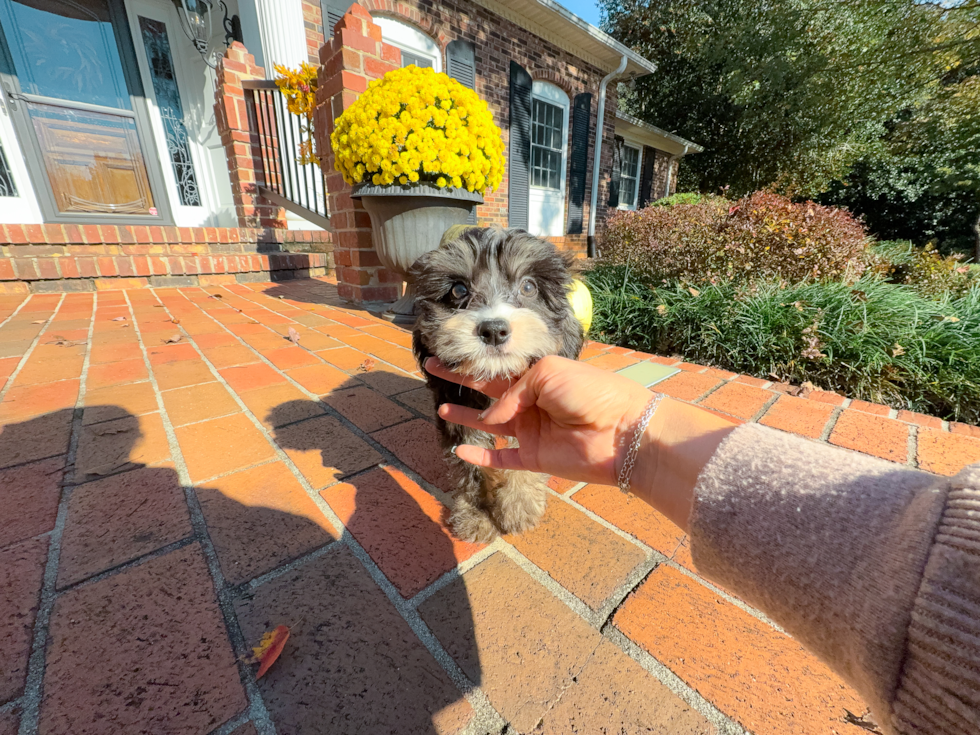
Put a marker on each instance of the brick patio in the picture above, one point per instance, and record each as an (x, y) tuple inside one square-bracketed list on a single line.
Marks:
[(166, 501)]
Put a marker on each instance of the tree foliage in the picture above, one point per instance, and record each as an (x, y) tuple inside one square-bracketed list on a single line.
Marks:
[(921, 181), (787, 94)]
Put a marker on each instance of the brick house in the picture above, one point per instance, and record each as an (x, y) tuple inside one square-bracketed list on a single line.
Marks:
[(137, 150)]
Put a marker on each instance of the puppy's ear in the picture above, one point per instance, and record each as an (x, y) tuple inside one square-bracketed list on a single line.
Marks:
[(572, 336), (572, 264)]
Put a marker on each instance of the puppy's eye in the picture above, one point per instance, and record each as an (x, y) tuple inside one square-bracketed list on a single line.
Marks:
[(528, 287), (459, 291)]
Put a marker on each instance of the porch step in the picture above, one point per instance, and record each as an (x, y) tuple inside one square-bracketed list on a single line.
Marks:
[(62, 258)]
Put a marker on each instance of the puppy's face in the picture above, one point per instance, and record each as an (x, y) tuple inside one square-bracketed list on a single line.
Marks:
[(493, 301)]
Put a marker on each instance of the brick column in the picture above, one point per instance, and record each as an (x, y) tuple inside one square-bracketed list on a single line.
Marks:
[(348, 61), (240, 142)]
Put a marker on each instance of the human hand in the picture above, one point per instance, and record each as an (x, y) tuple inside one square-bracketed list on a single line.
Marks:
[(570, 418)]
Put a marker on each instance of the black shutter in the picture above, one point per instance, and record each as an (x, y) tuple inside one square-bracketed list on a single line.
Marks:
[(461, 62), (332, 11), (520, 145), (461, 66), (581, 123), (646, 177), (616, 169)]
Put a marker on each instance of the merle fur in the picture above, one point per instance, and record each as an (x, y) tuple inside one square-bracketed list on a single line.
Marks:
[(491, 262)]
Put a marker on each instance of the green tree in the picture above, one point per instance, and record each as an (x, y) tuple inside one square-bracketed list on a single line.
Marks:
[(786, 94), (921, 182)]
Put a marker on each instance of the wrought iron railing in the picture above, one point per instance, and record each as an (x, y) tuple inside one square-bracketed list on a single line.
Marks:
[(300, 188)]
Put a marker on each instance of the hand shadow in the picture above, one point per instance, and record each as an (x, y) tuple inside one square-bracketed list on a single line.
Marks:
[(352, 663), (382, 669)]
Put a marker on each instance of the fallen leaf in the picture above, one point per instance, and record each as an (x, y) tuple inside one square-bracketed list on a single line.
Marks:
[(806, 389), (662, 309), (39, 321), (897, 350), (113, 430), (366, 366), (253, 322), (173, 340), (694, 291), (269, 649), (62, 342), (293, 336), (175, 321), (119, 319), (216, 296), (158, 306)]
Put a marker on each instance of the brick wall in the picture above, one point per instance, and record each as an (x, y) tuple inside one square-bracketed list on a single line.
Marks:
[(45, 258), (660, 166), (354, 56), (313, 25), (498, 41), (240, 141)]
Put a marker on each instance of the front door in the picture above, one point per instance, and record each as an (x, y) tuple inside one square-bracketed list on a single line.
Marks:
[(71, 81)]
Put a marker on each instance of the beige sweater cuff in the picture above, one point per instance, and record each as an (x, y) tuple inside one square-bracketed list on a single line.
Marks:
[(831, 544)]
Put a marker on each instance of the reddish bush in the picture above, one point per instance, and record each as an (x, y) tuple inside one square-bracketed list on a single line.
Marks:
[(761, 235)]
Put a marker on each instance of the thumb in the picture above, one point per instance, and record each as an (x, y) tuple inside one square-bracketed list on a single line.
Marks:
[(516, 399)]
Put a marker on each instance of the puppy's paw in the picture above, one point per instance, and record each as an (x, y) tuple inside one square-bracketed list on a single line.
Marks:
[(472, 524), (521, 502)]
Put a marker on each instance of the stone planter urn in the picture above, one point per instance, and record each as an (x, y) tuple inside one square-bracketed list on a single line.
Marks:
[(407, 222)]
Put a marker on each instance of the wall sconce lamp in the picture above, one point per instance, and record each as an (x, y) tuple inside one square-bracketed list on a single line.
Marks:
[(195, 22)]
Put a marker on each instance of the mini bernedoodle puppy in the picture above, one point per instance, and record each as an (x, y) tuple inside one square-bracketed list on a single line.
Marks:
[(490, 303)]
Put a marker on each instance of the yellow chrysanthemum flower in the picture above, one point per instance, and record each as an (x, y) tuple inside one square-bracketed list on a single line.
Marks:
[(416, 125)]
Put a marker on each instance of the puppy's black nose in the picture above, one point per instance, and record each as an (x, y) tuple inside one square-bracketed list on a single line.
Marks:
[(494, 331)]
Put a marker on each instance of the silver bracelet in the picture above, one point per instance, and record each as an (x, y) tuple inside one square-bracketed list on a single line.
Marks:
[(626, 473)]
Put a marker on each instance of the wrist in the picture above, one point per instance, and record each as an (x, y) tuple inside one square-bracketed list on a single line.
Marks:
[(635, 446)]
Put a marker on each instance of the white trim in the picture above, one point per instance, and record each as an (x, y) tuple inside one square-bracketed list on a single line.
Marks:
[(23, 208), (546, 207), (195, 84), (638, 147), (409, 38)]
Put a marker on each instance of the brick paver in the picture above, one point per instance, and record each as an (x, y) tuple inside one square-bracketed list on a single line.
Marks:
[(753, 673), (164, 659), (352, 664), (301, 484), (21, 571)]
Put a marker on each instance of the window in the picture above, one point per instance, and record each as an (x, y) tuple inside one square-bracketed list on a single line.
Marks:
[(629, 176), (416, 47), (548, 159), (547, 144)]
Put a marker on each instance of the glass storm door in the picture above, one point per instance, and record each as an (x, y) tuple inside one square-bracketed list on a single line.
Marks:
[(72, 82)]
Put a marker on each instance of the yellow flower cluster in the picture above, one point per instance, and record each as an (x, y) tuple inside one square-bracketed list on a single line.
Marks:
[(416, 125), (298, 86)]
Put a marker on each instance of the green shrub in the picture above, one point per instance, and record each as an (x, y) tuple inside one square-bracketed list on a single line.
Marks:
[(926, 270), (713, 240), (873, 340), (688, 197)]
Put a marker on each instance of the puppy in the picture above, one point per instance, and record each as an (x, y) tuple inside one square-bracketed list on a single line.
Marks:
[(491, 302)]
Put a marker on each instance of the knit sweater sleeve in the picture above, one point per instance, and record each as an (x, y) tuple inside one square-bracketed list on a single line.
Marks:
[(872, 566)]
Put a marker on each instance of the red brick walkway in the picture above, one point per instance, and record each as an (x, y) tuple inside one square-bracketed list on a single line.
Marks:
[(165, 501)]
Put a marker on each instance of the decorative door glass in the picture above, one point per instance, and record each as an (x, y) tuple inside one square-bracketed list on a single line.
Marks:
[(157, 46), (71, 77)]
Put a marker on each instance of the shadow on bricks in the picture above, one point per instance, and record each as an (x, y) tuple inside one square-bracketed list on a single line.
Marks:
[(358, 666), (155, 581)]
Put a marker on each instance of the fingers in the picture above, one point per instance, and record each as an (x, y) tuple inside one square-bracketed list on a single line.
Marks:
[(492, 388), (501, 459), (465, 416)]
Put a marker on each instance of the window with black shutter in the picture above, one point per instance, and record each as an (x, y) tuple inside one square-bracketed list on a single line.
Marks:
[(332, 11), (646, 178), (617, 166), (519, 153), (461, 62), (461, 66), (581, 123)]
